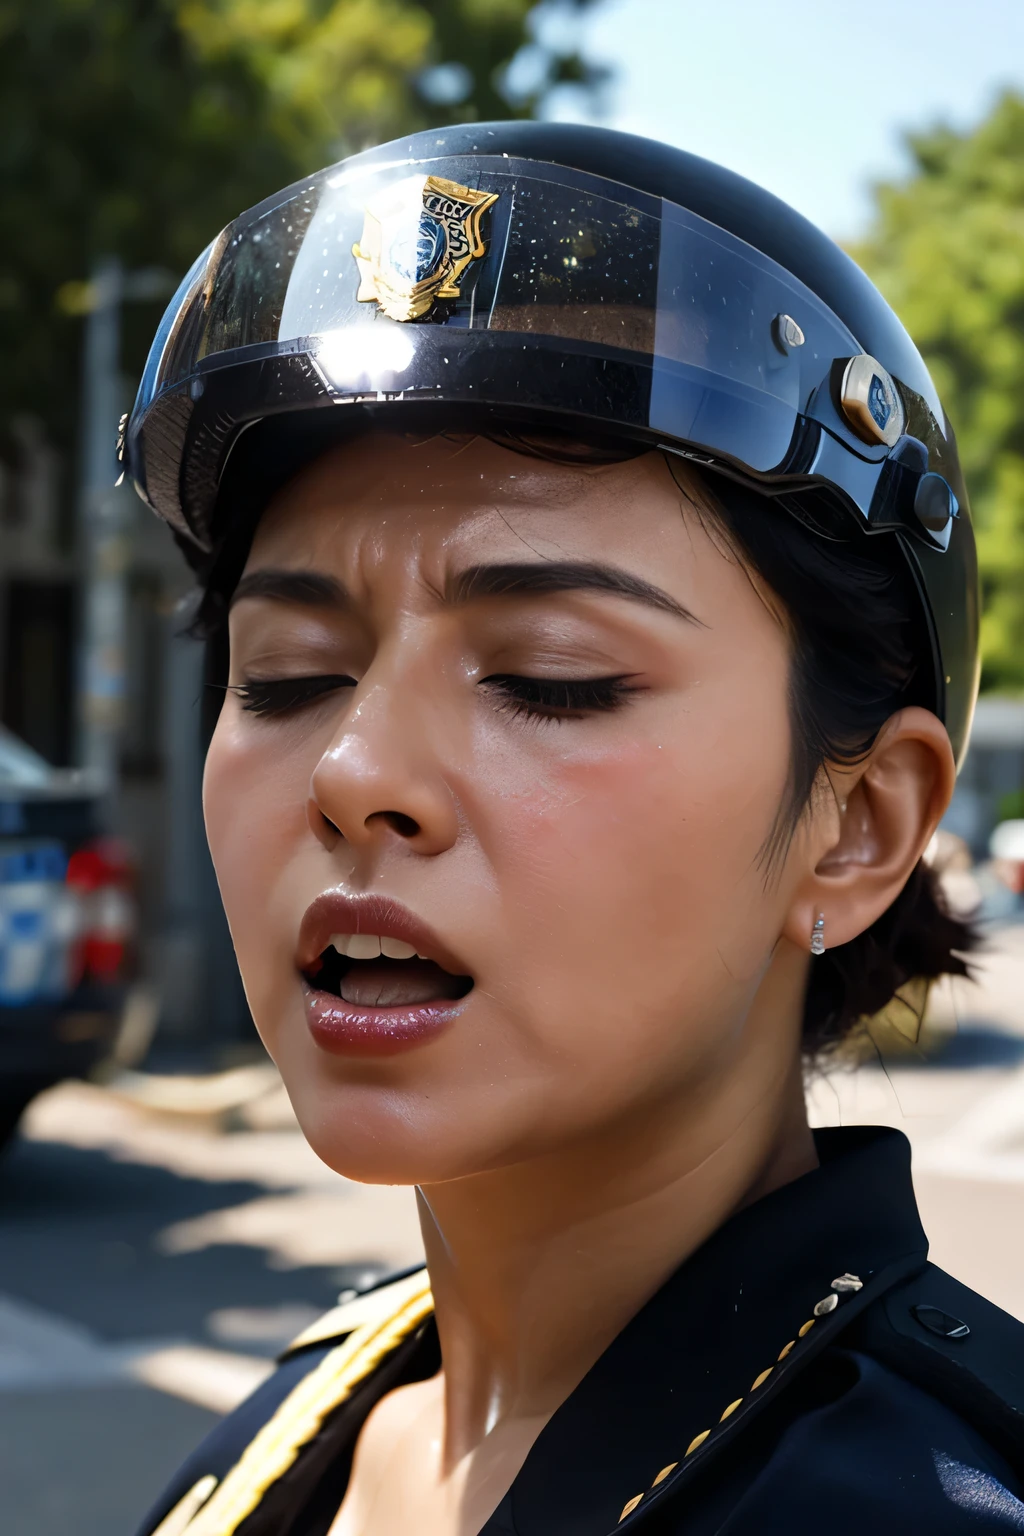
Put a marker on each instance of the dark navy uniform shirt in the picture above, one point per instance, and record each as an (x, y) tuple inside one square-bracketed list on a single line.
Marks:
[(806, 1370)]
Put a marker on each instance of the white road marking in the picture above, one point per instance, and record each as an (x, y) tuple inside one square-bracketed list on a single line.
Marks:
[(217, 1379)]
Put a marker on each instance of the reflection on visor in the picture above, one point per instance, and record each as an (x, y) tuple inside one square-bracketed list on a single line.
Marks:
[(534, 290), (505, 248)]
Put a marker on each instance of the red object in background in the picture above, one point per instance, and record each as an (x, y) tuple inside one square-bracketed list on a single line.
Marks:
[(102, 874), (1011, 873)]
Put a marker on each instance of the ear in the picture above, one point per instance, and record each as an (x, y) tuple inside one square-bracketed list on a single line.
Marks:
[(889, 805)]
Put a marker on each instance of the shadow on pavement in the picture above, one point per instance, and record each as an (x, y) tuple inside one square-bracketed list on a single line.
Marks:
[(90, 1463), (77, 1237)]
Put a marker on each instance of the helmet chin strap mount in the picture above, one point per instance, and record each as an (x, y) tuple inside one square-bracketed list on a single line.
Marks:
[(912, 498)]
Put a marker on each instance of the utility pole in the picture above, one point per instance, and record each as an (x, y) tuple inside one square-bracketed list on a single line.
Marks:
[(104, 515), (102, 531)]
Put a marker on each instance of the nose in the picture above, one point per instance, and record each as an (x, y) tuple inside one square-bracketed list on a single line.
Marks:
[(380, 780)]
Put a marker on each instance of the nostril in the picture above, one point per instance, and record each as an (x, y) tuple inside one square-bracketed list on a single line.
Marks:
[(404, 825)]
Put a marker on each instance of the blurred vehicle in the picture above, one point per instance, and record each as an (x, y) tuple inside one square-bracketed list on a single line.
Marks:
[(1006, 845), (67, 928)]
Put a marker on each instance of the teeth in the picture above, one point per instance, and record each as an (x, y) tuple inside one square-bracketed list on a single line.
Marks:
[(363, 946), (397, 949), (368, 946)]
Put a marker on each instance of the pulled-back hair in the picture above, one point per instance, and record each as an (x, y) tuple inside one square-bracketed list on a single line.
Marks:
[(859, 655)]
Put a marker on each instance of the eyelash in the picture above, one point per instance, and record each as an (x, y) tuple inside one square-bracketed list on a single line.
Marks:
[(278, 696), (556, 698), (539, 698)]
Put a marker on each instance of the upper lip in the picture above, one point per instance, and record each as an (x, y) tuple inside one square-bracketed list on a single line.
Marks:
[(335, 912)]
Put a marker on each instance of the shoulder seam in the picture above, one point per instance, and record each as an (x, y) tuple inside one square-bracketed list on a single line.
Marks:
[(368, 1306)]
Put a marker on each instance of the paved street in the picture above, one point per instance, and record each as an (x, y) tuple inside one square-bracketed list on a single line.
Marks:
[(160, 1239), (150, 1266)]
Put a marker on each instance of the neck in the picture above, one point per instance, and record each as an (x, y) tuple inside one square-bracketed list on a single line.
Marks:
[(536, 1266)]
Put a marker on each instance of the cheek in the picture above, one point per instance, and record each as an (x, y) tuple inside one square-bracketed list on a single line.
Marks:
[(634, 870), (254, 801)]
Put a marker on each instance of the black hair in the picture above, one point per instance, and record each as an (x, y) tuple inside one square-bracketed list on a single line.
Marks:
[(859, 650), (858, 642)]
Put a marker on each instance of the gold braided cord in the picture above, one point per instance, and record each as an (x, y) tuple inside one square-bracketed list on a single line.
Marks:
[(276, 1445)]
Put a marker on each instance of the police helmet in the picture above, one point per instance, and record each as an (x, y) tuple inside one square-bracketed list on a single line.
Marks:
[(576, 277)]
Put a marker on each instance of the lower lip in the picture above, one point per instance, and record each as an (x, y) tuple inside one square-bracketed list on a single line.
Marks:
[(347, 1030)]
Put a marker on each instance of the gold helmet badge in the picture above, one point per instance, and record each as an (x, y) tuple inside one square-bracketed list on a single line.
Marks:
[(419, 236)]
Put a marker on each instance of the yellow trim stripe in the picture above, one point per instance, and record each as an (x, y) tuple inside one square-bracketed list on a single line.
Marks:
[(373, 1307), (176, 1521), (276, 1445)]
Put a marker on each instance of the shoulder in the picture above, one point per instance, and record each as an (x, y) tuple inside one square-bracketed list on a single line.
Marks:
[(260, 1441), (911, 1419), (961, 1349), (932, 1421), (864, 1448), (377, 1305)]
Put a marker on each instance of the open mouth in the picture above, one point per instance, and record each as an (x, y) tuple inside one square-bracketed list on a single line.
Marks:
[(368, 970)]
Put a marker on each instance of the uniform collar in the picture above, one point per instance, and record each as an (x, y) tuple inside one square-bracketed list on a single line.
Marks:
[(719, 1322)]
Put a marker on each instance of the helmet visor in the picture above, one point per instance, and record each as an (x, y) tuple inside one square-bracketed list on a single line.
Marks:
[(426, 279)]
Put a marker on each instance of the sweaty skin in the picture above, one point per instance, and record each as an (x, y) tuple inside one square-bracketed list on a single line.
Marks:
[(624, 1072)]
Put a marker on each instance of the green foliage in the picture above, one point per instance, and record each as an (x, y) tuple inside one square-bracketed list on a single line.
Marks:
[(1010, 807), (140, 127), (947, 250)]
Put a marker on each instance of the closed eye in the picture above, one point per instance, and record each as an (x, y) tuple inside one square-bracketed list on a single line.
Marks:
[(559, 698), (279, 695)]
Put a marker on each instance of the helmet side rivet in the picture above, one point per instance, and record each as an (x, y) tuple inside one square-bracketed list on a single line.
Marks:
[(934, 502), (871, 401), (786, 334)]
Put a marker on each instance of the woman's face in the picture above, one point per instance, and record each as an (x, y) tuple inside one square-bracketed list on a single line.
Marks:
[(529, 721)]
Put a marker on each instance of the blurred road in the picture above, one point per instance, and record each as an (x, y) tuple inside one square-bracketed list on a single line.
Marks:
[(960, 1099), (160, 1240), (151, 1264)]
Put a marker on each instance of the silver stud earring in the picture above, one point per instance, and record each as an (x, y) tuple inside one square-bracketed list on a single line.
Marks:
[(818, 935)]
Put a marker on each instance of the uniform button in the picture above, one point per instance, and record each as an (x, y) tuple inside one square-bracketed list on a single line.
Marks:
[(940, 1323)]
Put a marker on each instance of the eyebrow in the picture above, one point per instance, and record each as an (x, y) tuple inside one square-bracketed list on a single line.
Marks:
[(536, 577), (529, 578), (312, 589)]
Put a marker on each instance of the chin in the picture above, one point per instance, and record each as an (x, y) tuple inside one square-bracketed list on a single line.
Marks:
[(378, 1134), (385, 1132)]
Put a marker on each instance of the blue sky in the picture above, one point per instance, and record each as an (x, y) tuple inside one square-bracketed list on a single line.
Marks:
[(807, 97)]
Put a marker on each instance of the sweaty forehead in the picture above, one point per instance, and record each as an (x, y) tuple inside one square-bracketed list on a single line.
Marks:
[(472, 494)]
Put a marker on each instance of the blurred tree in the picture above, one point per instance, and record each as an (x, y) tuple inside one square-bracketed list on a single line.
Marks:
[(947, 250), (139, 127)]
